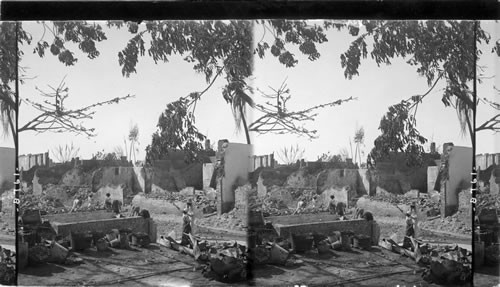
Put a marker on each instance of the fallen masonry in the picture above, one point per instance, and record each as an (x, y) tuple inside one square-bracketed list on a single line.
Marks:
[(7, 267), (296, 242), (68, 239)]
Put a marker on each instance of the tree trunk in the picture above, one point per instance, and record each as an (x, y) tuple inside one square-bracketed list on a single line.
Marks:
[(130, 153), (356, 154), (474, 97), (242, 113)]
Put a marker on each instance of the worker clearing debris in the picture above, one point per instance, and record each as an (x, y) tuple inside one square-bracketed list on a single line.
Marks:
[(301, 206), (409, 232), (186, 228), (341, 210), (77, 203), (190, 212), (117, 208), (414, 216), (107, 202), (332, 206), (375, 228), (90, 201)]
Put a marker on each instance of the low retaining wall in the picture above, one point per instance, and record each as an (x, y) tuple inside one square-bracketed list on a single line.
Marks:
[(358, 226), (136, 224), (301, 218), (78, 216)]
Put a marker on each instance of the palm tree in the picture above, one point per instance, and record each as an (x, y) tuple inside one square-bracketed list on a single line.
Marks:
[(7, 115), (9, 60), (133, 137), (239, 101), (359, 138)]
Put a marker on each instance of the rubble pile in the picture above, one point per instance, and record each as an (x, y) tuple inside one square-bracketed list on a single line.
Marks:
[(272, 205), (201, 199), (224, 262), (7, 267), (7, 226), (460, 222), (48, 203), (42, 202), (236, 219), (487, 200), (424, 202), (445, 264)]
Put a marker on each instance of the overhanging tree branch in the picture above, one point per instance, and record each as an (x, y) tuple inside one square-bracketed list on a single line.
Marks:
[(277, 119), (55, 117)]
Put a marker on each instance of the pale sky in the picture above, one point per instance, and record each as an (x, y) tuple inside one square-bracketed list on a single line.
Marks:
[(310, 83)]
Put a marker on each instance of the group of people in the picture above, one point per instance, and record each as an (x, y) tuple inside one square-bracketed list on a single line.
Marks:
[(110, 205), (78, 202), (335, 207)]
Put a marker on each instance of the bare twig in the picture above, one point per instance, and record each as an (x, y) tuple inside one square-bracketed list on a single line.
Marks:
[(55, 117), (278, 119)]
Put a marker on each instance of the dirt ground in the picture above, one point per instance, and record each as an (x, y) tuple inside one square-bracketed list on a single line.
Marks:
[(377, 267), (165, 223), (390, 226), (152, 266)]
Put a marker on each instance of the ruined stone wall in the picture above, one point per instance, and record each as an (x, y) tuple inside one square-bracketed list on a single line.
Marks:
[(339, 178), (301, 179), (7, 167), (237, 165), (459, 178), (26, 162), (263, 161), (495, 181), (483, 161), (396, 177), (208, 171), (175, 179), (76, 177), (432, 175), (120, 182)]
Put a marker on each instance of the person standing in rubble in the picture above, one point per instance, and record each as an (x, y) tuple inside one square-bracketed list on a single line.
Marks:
[(332, 206), (368, 216), (89, 199), (410, 231), (107, 202), (313, 201), (301, 205), (414, 216), (341, 210), (190, 213), (186, 227), (117, 207), (76, 204)]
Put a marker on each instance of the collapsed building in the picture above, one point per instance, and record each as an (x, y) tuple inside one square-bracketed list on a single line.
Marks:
[(7, 217), (439, 189), (486, 235), (51, 233)]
